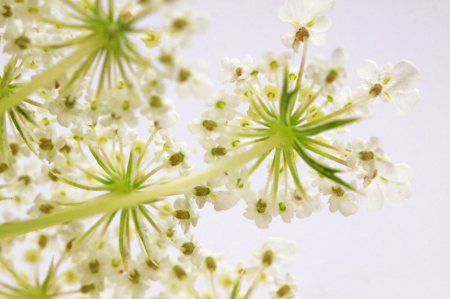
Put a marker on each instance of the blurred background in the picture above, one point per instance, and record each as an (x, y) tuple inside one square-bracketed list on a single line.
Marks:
[(392, 253)]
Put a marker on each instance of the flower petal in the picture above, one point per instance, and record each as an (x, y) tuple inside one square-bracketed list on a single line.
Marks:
[(225, 200), (321, 24), (396, 194), (318, 38), (403, 103), (394, 172), (405, 77), (303, 11), (368, 70), (372, 198), (347, 208)]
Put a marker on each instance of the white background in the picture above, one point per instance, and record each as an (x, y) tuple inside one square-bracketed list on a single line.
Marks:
[(392, 253)]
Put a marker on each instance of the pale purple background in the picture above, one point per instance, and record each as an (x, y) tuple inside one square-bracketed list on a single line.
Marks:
[(393, 253)]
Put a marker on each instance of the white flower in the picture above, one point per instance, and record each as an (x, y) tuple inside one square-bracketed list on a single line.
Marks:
[(284, 288), (341, 199), (205, 127), (161, 111), (156, 262), (186, 212), (329, 72), (275, 250), (237, 180), (274, 64), (286, 207), (384, 181), (49, 142), (180, 26), (192, 250), (222, 105), (395, 84), (177, 156), (67, 108), (216, 149), (234, 69), (307, 17), (306, 207), (191, 80), (222, 200), (258, 209)]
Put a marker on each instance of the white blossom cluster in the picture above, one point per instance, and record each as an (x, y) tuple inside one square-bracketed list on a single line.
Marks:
[(224, 131), (94, 268), (81, 76)]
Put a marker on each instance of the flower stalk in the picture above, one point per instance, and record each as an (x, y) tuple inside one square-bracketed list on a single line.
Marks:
[(114, 202)]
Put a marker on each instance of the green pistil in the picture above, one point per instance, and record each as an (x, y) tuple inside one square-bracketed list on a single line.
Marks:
[(282, 206), (220, 104)]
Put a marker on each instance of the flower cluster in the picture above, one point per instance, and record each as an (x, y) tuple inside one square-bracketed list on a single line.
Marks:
[(81, 77), (299, 105), (95, 269)]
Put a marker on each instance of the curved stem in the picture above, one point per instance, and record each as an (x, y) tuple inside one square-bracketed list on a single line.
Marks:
[(114, 202)]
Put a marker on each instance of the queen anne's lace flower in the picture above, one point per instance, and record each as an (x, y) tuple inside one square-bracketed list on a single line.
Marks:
[(95, 69)]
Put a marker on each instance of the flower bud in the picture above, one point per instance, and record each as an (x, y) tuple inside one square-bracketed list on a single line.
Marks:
[(179, 272), (22, 42), (182, 214), (267, 258), (87, 288), (218, 151), (46, 208), (238, 71), (3, 167), (52, 176), (179, 24), (332, 75), (188, 248), (7, 11), (65, 149), (94, 266), (282, 206), (338, 191), (283, 291), (135, 276), (366, 155), (152, 265), (45, 144), (261, 206), (376, 90), (14, 147), (42, 241), (69, 102), (170, 232), (184, 75), (166, 58), (25, 179), (209, 125), (221, 104), (301, 34), (176, 159), (155, 102), (211, 264), (201, 191)]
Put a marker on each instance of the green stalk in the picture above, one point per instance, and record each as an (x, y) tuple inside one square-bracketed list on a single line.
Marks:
[(113, 202), (49, 75)]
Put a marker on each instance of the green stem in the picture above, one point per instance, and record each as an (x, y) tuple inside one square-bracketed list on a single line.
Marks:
[(49, 75), (113, 202)]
